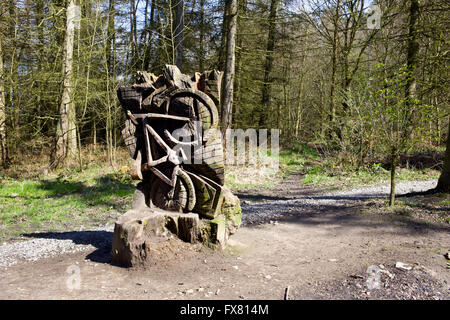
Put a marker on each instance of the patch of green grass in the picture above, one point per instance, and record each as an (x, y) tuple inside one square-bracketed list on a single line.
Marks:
[(297, 158), (267, 174), (410, 203), (420, 209), (317, 170), (63, 198), (363, 176), (249, 177)]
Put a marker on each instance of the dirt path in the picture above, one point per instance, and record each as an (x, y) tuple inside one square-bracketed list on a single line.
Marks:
[(320, 245)]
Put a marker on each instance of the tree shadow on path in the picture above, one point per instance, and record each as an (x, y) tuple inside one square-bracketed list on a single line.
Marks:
[(100, 239)]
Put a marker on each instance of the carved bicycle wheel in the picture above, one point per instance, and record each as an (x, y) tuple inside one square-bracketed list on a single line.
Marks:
[(181, 199), (195, 104)]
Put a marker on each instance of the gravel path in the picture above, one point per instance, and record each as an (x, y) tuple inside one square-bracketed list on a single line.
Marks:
[(271, 210), (47, 245)]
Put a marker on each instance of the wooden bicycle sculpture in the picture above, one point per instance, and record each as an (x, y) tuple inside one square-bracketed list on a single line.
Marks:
[(171, 133)]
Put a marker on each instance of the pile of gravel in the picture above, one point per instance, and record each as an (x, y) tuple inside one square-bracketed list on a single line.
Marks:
[(46, 245)]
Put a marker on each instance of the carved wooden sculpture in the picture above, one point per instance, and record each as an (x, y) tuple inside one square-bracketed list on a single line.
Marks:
[(172, 170), (172, 134)]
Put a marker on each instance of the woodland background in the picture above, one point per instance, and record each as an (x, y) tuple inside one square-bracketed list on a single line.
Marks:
[(312, 68)]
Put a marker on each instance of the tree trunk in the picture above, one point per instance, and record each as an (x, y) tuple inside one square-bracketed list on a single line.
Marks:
[(133, 36), (201, 51), (41, 40), (411, 62), (111, 39), (148, 46), (238, 77), (444, 179), (3, 144), (179, 26), (223, 40), (333, 102), (265, 100), (66, 137), (394, 157), (162, 53), (13, 75), (298, 118), (228, 75)]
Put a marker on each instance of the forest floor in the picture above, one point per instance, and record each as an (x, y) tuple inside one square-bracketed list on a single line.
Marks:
[(313, 243)]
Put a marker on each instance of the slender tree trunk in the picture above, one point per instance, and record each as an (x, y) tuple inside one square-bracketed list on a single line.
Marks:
[(3, 144), (394, 159), (149, 41), (201, 51), (66, 137), (444, 179), (39, 19), (333, 99), (179, 27), (223, 40), (298, 118), (133, 35), (94, 135), (411, 63), (228, 76), (323, 112), (238, 79), (163, 53), (111, 38), (265, 100), (13, 76)]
